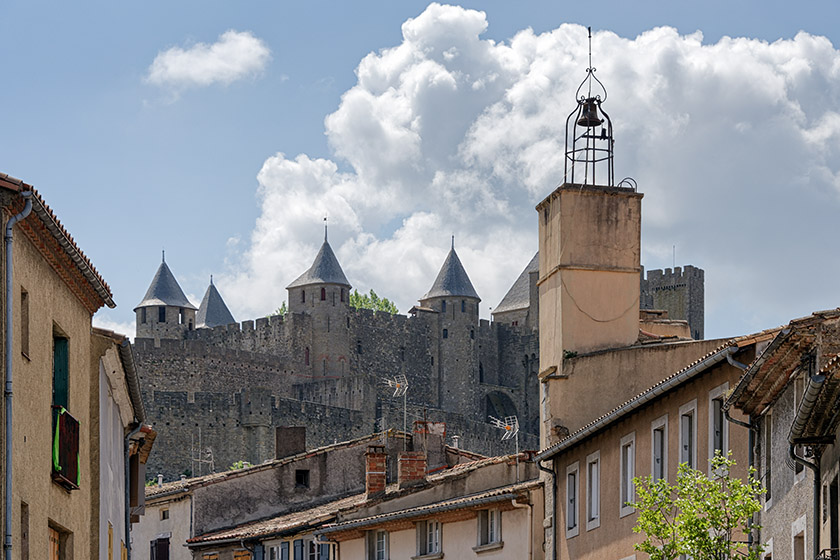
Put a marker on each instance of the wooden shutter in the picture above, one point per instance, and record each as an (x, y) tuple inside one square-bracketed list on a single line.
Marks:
[(60, 372)]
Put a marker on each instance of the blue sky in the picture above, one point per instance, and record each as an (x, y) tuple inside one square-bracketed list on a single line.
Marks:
[(439, 131)]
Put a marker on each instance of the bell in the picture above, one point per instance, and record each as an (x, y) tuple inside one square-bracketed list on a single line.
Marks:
[(589, 116)]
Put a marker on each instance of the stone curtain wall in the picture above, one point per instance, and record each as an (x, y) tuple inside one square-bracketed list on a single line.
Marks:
[(680, 292)]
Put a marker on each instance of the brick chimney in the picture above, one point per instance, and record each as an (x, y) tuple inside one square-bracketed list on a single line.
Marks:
[(375, 459), (411, 468)]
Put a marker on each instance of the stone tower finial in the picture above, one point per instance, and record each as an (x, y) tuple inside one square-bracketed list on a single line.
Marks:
[(453, 241), (211, 279), (163, 255), (325, 229)]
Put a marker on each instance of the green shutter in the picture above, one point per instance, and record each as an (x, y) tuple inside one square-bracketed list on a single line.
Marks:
[(60, 373)]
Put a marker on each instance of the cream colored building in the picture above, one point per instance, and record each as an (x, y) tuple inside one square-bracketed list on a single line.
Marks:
[(56, 404)]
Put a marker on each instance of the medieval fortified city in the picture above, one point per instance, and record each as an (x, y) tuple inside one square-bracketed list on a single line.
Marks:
[(584, 416)]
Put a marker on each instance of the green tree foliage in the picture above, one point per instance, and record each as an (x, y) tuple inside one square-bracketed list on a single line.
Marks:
[(703, 517), (239, 465), (282, 310), (372, 301)]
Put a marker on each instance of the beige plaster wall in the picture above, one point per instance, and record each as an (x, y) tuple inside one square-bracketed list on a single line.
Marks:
[(615, 538), (51, 306), (151, 526), (593, 384)]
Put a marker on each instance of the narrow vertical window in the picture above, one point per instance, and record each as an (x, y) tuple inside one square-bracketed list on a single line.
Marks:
[(161, 314), (489, 527), (303, 296), (718, 427), (593, 490), (572, 500), (688, 434), (24, 323), (445, 333), (342, 295), (480, 372), (463, 306), (61, 379), (628, 472), (443, 306), (323, 294), (768, 458), (24, 531), (143, 315), (181, 319), (324, 365), (306, 356), (659, 448)]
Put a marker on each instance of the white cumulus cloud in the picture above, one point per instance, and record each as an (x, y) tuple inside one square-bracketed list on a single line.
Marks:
[(234, 56), (732, 143)]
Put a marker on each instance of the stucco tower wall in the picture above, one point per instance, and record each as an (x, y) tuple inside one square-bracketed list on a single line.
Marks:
[(590, 246)]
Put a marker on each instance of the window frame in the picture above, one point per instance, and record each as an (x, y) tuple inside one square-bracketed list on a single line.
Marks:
[(425, 529), (660, 424), (627, 471), (718, 394), (572, 500), (593, 491), (489, 529), (689, 409)]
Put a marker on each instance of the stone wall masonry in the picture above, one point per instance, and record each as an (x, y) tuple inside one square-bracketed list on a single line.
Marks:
[(680, 291)]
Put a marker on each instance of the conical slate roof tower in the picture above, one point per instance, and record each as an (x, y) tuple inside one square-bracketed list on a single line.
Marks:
[(324, 270), (452, 280), (213, 312), (165, 312), (164, 290)]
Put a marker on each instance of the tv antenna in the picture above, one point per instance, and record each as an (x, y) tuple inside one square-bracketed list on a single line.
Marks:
[(400, 385), (510, 425)]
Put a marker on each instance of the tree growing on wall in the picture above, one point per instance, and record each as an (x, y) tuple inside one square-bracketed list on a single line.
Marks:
[(372, 301), (705, 517), (282, 310)]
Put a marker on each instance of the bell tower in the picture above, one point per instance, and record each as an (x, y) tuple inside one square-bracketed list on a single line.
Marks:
[(590, 241)]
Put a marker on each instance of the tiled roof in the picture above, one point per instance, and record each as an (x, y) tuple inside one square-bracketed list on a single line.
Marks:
[(325, 270), (164, 290), (63, 240), (824, 415), (688, 372), (452, 280), (187, 484), (283, 524), (488, 496), (213, 312), (519, 295)]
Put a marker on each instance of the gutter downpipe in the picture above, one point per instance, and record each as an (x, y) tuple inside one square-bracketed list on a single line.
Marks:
[(553, 551), (7, 539), (127, 485), (809, 399), (751, 429)]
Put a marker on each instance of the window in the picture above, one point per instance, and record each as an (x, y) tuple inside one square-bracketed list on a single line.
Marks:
[(306, 356), (342, 295), (161, 314), (627, 449), (61, 388), (428, 537), (358, 347), (593, 491), (164, 514), (324, 366), (480, 372), (303, 296), (659, 448), (143, 315), (463, 306), (443, 306), (445, 333), (489, 527), (311, 550), (24, 323), (241, 555), (180, 315), (279, 552), (302, 478), (24, 531), (377, 545), (323, 294), (718, 426), (159, 549), (768, 459), (472, 334), (688, 433), (572, 500)]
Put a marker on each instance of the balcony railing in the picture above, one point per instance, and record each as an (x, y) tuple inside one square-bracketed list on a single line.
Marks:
[(65, 452)]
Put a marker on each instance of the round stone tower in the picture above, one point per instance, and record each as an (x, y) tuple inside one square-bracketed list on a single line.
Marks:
[(323, 292), (165, 312), (455, 302)]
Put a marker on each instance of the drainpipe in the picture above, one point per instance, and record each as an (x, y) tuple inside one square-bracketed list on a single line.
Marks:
[(7, 541), (530, 507), (127, 485), (553, 552), (809, 400)]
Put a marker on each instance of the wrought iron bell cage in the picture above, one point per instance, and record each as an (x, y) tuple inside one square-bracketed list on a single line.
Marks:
[(589, 135)]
